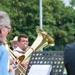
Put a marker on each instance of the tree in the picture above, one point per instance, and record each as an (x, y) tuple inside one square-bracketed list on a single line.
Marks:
[(58, 19), (72, 3)]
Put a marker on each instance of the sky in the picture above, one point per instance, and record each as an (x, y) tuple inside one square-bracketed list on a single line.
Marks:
[(66, 2)]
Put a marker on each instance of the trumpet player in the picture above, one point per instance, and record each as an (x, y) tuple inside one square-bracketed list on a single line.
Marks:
[(22, 47), (4, 30)]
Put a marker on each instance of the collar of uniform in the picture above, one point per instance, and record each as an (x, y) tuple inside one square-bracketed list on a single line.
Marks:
[(18, 49)]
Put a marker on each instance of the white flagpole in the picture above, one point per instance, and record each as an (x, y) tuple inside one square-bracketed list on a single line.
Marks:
[(41, 27)]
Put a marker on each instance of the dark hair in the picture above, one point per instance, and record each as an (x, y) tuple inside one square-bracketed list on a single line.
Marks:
[(22, 35)]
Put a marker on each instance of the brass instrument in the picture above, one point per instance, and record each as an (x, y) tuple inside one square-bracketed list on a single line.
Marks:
[(18, 59), (41, 41)]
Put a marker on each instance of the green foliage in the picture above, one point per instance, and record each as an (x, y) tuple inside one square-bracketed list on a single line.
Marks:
[(72, 3), (58, 20)]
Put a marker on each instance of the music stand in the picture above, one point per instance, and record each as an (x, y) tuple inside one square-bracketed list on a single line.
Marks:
[(54, 58)]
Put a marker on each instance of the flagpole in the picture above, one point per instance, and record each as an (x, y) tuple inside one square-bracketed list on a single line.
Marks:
[(41, 27)]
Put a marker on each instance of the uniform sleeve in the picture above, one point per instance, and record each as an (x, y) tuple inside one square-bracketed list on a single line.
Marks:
[(3, 62)]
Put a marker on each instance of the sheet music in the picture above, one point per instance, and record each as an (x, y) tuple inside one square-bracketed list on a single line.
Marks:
[(40, 70)]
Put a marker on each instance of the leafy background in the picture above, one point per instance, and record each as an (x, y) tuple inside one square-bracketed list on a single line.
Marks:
[(58, 20)]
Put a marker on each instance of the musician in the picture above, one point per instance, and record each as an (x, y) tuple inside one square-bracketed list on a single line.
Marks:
[(22, 47), (23, 43), (4, 30), (69, 58), (14, 43)]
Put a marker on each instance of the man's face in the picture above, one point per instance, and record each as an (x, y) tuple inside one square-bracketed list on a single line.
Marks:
[(23, 44), (15, 44)]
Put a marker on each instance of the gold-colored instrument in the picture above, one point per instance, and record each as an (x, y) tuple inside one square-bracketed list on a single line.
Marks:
[(41, 41), (18, 58)]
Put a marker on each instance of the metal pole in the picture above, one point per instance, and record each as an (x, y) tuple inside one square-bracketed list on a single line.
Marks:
[(41, 27)]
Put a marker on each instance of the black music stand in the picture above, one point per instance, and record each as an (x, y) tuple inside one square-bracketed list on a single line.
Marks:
[(54, 58)]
